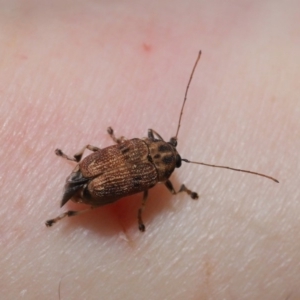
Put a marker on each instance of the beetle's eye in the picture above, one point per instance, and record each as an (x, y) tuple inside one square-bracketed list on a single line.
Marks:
[(178, 161)]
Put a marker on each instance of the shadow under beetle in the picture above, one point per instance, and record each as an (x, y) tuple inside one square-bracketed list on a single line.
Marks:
[(129, 167)]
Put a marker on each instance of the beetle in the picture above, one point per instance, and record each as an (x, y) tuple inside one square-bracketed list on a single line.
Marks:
[(130, 166)]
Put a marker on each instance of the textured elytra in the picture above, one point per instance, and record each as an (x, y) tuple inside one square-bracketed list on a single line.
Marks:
[(118, 171)]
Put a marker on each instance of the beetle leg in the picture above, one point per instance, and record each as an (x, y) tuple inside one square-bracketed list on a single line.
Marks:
[(112, 135), (69, 213), (152, 133), (170, 187), (183, 188), (140, 211), (193, 195), (77, 157)]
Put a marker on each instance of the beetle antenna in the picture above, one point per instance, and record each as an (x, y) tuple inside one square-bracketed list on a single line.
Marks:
[(186, 92), (229, 168)]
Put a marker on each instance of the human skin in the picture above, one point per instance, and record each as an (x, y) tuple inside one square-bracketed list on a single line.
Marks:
[(71, 69)]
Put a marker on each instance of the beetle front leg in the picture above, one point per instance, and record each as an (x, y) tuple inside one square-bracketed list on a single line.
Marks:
[(183, 188), (119, 140), (77, 157), (140, 211), (152, 133), (70, 213)]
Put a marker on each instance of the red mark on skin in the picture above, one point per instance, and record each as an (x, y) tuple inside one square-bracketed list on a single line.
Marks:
[(147, 47), (22, 56)]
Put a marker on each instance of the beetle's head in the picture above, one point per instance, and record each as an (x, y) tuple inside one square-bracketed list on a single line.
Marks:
[(173, 143)]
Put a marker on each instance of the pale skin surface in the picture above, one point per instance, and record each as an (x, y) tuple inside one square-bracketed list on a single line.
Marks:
[(69, 70)]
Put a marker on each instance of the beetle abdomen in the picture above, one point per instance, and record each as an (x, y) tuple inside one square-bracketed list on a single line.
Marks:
[(73, 186)]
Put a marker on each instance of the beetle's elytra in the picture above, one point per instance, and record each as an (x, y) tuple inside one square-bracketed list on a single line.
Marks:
[(126, 168)]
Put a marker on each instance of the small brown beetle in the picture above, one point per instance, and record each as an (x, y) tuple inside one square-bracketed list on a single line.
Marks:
[(129, 167)]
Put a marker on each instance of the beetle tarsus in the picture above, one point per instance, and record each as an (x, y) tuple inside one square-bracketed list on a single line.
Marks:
[(142, 227), (119, 140), (183, 188), (49, 223), (69, 213), (192, 194), (58, 152)]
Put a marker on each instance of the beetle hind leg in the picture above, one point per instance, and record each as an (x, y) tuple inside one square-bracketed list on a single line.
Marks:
[(183, 188), (77, 156), (119, 140), (142, 227), (70, 213)]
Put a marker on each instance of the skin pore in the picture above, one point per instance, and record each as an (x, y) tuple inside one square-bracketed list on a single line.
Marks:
[(70, 69)]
